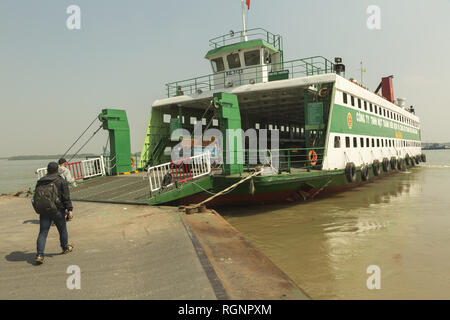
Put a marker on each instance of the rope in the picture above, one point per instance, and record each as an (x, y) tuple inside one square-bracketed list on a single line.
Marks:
[(76, 153), (227, 189), (79, 137)]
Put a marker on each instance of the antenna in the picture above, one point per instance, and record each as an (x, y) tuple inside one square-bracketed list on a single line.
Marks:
[(244, 32)]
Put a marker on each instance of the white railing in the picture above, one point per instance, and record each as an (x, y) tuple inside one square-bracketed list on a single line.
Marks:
[(93, 167), (179, 171), (82, 169)]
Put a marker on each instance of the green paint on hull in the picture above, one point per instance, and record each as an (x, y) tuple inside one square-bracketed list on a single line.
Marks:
[(305, 181), (368, 124), (183, 191)]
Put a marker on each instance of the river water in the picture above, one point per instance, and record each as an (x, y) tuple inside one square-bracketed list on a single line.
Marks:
[(400, 224), (20, 174)]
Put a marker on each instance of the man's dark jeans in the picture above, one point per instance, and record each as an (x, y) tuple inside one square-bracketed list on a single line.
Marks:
[(45, 222)]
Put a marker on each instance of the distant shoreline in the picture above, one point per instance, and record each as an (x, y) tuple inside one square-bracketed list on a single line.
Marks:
[(45, 157)]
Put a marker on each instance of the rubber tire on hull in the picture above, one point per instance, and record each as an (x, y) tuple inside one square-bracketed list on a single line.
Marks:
[(400, 164), (376, 167), (350, 172), (385, 164), (407, 160), (364, 173), (417, 159), (393, 163), (423, 157)]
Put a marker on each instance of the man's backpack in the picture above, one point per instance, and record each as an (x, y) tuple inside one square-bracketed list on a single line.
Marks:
[(46, 199)]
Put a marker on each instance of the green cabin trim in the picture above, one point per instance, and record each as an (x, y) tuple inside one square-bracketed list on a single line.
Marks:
[(240, 46)]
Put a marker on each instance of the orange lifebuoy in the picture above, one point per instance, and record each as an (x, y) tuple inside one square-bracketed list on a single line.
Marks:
[(312, 157), (323, 92), (132, 162)]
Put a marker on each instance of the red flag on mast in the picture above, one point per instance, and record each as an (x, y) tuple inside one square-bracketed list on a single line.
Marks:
[(248, 4)]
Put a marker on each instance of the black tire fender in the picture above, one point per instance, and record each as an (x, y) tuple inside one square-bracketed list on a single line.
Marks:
[(376, 167), (350, 172)]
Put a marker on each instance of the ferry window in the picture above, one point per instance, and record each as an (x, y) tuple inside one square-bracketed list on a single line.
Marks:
[(233, 61), (193, 120), (166, 118), (380, 112), (256, 125), (355, 142), (384, 112), (270, 127), (252, 58), (367, 142), (359, 103), (353, 100), (378, 143), (217, 64), (215, 122), (204, 121), (344, 96), (362, 142), (382, 142), (337, 142), (373, 143), (347, 142), (365, 105), (376, 108), (371, 109)]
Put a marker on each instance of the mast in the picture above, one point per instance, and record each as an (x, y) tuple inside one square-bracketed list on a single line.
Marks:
[(244, 32)]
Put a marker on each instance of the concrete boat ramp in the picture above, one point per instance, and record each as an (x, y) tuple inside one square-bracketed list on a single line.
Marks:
[(129, 251)]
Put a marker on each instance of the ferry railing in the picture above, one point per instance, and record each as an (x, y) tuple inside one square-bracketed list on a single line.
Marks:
[(177, 172), (287, 159), (292, 69), (252, 34), (81, 170)]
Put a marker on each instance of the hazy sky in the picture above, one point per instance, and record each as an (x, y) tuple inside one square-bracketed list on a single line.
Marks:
[(54, 81)]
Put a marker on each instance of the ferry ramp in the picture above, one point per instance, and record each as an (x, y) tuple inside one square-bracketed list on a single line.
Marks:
[(125, 189)]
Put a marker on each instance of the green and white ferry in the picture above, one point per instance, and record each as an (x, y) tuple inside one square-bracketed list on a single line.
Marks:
[(324, 132)]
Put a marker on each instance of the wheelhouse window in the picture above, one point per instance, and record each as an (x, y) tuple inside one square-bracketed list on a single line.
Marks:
[(365, 105), (359, 103), (362, 142), (218, 64), (344, 96), (252, 58), (367, 142), (355, 142), (347, 142), (234, 61), (371, 108), (353, 100), (337, 142)]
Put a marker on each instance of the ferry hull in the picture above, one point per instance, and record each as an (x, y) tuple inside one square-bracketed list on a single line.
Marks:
[(284, 189)]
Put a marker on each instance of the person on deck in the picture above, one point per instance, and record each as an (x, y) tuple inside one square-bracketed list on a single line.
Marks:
[(62, 203), (65, 172)]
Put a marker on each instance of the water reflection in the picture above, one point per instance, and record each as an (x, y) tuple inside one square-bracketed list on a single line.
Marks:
[(325, 245)]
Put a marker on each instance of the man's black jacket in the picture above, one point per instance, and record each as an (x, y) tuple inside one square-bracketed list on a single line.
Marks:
[(63, 190)]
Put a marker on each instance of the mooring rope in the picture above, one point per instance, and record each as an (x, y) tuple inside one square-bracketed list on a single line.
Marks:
[(79, 137)]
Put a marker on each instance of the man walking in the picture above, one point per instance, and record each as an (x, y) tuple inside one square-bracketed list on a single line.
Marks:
[(51, 200)]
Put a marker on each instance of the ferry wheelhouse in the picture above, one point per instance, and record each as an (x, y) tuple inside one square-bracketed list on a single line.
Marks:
[(324, 131)]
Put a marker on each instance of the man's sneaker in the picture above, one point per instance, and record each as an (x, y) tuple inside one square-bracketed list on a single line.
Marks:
[(69, 249), (39, 260)]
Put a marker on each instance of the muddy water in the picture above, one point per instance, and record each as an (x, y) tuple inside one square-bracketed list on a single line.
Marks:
[(399, 223)]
